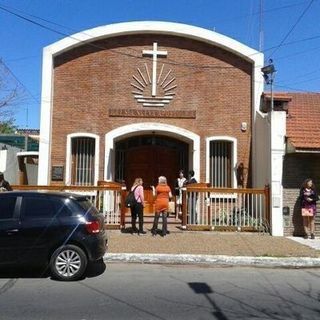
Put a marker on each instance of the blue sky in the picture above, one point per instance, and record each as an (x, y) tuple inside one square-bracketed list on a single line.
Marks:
[(296, 60)]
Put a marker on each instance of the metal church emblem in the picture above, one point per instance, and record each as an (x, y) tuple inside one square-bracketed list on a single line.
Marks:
[(154, 89)]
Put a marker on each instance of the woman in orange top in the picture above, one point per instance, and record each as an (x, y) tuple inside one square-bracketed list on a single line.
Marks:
[(162, 193)]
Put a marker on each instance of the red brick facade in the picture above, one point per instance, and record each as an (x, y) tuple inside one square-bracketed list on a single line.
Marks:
[(211, 82)]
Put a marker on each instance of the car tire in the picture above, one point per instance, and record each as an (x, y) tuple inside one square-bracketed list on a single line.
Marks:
[(68, 263)]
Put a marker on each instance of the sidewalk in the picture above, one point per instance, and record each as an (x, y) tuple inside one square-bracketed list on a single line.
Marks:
[(213, 248)]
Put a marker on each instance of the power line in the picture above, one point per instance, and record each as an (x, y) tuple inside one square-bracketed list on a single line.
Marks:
[(292, 28), (264, 11), (303, 81), (297, 53), (17, 80), (168, 61), (296, 89)]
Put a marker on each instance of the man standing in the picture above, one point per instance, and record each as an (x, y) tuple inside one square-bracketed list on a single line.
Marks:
[(192, 200), (4, 185), (192, 179)]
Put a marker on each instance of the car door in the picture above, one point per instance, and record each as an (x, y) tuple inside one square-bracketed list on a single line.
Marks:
[(40, 226), (9, 228)]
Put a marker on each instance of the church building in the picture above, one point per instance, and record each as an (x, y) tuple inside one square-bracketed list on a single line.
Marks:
[(144, 99)]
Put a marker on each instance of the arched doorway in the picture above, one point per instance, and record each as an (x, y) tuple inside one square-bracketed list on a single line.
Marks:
[(148, 157)]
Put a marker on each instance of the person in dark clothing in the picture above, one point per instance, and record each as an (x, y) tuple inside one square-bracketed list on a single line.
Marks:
[(308, 200), (137, 209), (191, 179), (4, 185), (179, 184), (192, 200)]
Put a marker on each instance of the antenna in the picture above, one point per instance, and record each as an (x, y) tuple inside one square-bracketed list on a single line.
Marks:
[(27, 117), (261, 33)]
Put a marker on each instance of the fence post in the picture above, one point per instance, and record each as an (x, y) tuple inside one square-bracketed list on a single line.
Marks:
[(267, 203), (97, 200), (184, 208), (123, 208), (208, 204)]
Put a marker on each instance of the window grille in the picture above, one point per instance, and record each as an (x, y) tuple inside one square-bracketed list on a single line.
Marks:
[(83, 161), (220, 164)]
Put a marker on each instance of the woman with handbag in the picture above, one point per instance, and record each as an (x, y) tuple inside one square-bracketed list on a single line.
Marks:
[(162, 193), (308, 198), (137, 208)]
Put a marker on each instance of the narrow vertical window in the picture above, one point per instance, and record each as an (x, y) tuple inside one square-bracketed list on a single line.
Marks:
[(220, 164), (83, 161)]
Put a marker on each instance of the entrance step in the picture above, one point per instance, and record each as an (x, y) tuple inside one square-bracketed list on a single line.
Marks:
[(149, 219), (173, 225)]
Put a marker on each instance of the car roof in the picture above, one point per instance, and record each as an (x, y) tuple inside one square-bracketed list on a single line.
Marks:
[(46, 193)]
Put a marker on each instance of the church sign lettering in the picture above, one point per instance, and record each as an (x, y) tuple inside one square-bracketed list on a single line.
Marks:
[(134, 113)]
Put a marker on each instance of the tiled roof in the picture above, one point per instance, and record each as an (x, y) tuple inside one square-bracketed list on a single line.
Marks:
[(303, 120)]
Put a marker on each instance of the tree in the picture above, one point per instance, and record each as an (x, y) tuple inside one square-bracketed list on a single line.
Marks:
[(7, 127), (11, 94)]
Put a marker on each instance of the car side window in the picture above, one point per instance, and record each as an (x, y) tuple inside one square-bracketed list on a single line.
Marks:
[(43, 207), (38, 207), (62, 207), (7, 206)]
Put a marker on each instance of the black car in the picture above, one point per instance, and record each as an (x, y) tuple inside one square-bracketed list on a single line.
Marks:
[(61, 230)]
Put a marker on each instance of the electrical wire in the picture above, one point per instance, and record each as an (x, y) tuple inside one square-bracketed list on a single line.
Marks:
[(168, 61), (18, 80), (291, 29)]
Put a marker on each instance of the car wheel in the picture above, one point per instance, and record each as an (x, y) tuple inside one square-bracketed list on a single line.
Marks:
[(68, 263)]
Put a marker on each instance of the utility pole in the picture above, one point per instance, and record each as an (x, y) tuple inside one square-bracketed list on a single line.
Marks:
[(261, 33), (26, 132)]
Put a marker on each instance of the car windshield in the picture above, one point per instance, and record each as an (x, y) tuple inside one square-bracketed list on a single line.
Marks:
[(87, 205)]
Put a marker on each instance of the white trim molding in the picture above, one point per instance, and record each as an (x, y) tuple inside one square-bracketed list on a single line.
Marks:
[(234, 157), (68, 155), (155, 128)]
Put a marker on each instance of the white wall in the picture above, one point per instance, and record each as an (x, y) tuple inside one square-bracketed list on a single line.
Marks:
[(278, 132), (270, 131), (261, 163), (9, 163), (10, 167), (32, 173)]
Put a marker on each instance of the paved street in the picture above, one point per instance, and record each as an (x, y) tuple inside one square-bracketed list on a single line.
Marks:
[(138, 291)]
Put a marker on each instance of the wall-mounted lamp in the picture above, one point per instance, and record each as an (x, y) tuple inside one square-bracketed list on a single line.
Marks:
[(244, 126)]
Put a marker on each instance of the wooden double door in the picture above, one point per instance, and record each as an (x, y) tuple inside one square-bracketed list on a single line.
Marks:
[(149, 157)]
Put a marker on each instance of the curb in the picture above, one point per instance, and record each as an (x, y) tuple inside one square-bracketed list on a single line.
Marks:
[(218, 260)]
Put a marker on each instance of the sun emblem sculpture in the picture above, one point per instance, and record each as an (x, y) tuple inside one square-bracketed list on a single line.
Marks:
[(150, 88)]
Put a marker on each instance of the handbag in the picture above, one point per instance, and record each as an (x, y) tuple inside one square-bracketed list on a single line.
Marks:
[(171, 207), (307, 212)]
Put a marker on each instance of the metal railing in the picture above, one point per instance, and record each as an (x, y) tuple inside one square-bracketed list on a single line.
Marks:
[(225, 208), (203, 207)]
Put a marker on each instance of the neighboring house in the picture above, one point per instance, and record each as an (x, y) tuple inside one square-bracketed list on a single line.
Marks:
[(19, 158), (302, 151)]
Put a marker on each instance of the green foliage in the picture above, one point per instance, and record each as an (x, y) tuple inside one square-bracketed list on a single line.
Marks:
[(7, 127)]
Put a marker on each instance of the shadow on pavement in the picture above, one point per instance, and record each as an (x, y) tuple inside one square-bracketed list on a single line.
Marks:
[(94, 269), (23, 272)]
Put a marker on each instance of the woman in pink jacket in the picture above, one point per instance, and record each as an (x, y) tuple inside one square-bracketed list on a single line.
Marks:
[(137, 209)]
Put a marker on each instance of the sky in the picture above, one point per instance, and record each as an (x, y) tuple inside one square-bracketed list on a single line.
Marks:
[(291, 35)]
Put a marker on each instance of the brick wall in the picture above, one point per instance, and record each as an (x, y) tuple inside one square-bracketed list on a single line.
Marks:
[(297, 168), (90, 80)]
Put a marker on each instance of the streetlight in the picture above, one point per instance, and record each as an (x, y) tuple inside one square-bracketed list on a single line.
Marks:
[(268, 75)]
